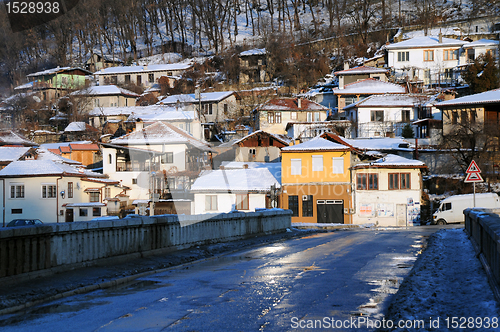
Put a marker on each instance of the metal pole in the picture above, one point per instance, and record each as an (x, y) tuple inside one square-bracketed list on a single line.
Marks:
[(474, 194)]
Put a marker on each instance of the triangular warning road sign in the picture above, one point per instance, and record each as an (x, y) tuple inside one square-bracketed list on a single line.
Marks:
[(474, 177), (473, 168)]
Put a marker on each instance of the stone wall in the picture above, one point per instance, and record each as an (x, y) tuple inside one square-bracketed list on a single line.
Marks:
[(58, 247)]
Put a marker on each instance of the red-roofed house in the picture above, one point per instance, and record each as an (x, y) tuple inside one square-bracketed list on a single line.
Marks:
[(274, 115)]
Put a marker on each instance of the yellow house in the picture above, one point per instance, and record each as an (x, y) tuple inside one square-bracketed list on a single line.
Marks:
[(316, 182)]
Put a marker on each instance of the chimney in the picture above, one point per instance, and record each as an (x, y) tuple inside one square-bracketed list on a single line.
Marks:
[(440, 37), (139, 125), (346, 65), (245, 166), (221, 167), (299, 102)]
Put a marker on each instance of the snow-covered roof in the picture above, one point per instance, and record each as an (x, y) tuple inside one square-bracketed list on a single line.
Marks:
[(8, 137), (53, 71), (369, 86), (392, 100), (488, 97), (47, 155), (392, 160), (426, 41), (191, 98), (87, 204), (170, 115), (44, 168), (160, 133), (317, 143), (274, 168), (281, 138), (28, 85), (103, 90), (378, 143), (76, 126), (255, 51), (482, 43), (361, 70), (239, 180), (291, 104), (148, 68), (8, 153)]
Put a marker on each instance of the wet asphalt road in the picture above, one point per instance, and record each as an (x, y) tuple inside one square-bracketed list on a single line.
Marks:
[(276, 287)]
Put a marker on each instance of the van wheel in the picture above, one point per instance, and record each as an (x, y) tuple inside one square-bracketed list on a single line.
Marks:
[(441, 222)]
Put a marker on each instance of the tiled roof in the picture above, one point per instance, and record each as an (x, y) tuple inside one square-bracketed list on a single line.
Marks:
[(282, 138), (84, 146), (369, 86)]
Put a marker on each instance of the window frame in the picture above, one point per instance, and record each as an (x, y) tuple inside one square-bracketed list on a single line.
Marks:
[(92, 197), (17, 191), (367, 181), (428, 55), (293, 169), (308, 208), (242, 202), (70, 189), (317, 163), (406, 179), (393, 181), (295, 206), (49, 190), (211, 203), (338, 159), (375, 115)]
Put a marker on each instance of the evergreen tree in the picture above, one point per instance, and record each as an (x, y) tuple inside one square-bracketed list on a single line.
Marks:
[(407, 131), (482, 74)]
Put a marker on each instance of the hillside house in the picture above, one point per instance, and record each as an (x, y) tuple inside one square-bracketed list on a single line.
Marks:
[(159, 159), (56, 82), (104, 96), (260, 146), (97, 62), (274, 115), (144, 76), (253, 65)]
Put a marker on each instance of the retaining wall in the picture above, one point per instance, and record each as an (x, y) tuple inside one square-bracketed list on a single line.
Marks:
[(483, 227), (57, 247)]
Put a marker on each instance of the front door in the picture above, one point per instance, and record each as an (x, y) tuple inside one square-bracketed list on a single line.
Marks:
[(401, 214), (330, 211), (69, 215)]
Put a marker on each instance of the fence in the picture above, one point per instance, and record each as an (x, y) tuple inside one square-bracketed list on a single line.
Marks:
[(58, 247), (483, 226)]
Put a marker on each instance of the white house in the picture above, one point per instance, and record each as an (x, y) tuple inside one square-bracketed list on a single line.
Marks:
[(388, 191), (431, 59), (225, 190), (136, 117), (480, 47), (105, 96), (51, 191), (160, 159), (386, 115), (211, 107), (146, 75)]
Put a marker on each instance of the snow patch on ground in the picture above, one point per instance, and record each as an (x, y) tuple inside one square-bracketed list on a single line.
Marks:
[(447, 281)]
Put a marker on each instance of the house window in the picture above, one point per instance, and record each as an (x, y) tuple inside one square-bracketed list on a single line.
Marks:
[(450, 55), (403, 56), (70, 189), (242, 202), (317, 163), (405, 181), (270, 117), (17, 191), (293, 204), (393, 181), (405, 115), (208, 109), (151, 78), (226, 109), (307, 206), (139, 79), (211, 203), (309, 116), (463, 117), (167, 158), (454, 117), (16, 211), (96, 212), (277, 117), (107, 192), (94, 196), (316, 116), (134, 181), (127, 79), (473, 116), (296, 166), (49, 191), (114, 79), (338, 165), (293, 115), (366, 181), (84, 212), (377, 116), (428, 55)]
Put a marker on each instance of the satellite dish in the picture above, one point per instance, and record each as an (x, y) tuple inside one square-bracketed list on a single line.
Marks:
[(37, 99)]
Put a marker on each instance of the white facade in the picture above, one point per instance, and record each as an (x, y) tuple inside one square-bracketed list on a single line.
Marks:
[(393, 201), (226, 202), (430, 59)]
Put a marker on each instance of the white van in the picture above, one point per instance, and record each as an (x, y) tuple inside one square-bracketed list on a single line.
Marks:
[(452, 208)]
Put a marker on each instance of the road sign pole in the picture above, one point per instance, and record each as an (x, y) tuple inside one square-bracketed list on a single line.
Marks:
[(474, 196)]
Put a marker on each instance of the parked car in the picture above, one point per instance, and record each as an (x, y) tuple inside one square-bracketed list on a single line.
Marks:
[(24, 222)]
